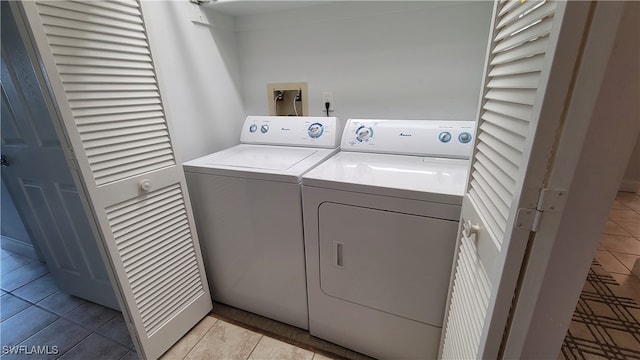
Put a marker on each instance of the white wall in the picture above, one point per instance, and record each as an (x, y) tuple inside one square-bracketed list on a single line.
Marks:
[(198, 69), (393, 59), (382, 59)]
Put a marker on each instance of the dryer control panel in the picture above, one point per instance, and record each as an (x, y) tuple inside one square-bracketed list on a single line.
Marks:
[(437, 138), (309, 131)]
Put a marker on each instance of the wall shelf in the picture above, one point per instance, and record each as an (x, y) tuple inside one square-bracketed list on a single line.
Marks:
[(251, 7)]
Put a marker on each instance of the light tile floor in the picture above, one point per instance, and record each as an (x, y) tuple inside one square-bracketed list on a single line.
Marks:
[(215, 338), (34, 312), (620, 244)]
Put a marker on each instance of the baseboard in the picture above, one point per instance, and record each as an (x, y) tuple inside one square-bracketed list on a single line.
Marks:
[(18, 247), (630, 186)]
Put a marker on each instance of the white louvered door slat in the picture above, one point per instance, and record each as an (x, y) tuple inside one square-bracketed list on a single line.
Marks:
[(525, 8), (519, 66), (101, 119), (526, 15), (511, 139), (518, 127), (517, 96), (106, 95), (525, 35), (508, 167), (503, 149), (518, 111), (526, 50), (516, 81), (100, 68), (501, 190), (506, 182)]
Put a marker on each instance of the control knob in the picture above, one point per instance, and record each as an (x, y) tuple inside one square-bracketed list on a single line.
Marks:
[(364, 133), (464, 137), (444, 136), (253, 128), (264, 128), (315, 130)]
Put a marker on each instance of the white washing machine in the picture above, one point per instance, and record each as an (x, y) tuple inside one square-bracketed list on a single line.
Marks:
[(380, 223), (248, 212)]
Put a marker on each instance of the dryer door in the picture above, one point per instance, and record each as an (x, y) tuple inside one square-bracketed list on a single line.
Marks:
[(389, 261)]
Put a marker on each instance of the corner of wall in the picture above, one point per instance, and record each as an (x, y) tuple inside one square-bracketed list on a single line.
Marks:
[(199, 73), (631, 179)]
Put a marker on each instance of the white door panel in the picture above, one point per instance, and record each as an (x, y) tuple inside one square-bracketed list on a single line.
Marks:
[(98, 62), (526, 85), (40, 181), (486, 246)]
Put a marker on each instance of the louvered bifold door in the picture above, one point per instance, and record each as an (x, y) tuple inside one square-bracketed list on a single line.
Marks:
[(519, 115), (97, 58)]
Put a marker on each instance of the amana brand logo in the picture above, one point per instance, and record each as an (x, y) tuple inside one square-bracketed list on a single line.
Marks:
[(285, 129), (405, 134)]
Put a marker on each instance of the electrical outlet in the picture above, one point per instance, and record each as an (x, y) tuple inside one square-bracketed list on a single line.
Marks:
[(327, 97)]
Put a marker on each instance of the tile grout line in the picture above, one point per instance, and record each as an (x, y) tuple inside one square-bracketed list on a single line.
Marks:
[(621, 204), (91, 332), (618, 225), (255, 346), (197, 342), (74, 346), (609, 269), (21, 286), (613, 253), (58, 316)]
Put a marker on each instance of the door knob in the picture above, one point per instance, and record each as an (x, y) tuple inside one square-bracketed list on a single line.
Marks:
[(145, 185), (3, 160), (469, 229)]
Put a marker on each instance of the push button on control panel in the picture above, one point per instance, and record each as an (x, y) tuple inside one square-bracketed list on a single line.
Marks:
[(444, 136)]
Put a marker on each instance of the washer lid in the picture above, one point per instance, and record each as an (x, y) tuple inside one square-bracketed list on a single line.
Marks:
[(267, 158), (415, 177), (264, 162)]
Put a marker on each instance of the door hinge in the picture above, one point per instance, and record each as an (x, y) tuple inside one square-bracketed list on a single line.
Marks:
[(552, 199), (548, 200), (528, 219)]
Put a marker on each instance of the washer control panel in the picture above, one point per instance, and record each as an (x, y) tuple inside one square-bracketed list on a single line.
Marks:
[(439, 138), (311, 131)]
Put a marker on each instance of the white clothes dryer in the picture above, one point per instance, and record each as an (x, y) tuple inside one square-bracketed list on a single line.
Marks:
[(380, 223), (248, 213)]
